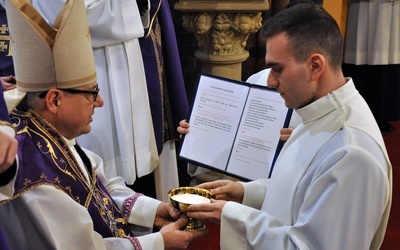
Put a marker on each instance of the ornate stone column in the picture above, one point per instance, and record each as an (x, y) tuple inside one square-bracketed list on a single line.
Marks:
[(222, 28)]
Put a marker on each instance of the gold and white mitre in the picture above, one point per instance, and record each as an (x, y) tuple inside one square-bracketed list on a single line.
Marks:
[(48, 57)]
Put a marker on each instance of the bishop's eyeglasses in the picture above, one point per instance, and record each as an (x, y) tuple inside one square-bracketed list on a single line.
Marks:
[(94, 93)]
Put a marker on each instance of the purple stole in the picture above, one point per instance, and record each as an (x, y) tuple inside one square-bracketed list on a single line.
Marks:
[(165, 85), (45, 159), (6, 60)]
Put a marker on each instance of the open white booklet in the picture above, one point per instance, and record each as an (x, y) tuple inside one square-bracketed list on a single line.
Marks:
[(235, 127)]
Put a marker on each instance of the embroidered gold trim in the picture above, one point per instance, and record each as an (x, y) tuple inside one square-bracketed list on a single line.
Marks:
[(58, 84)]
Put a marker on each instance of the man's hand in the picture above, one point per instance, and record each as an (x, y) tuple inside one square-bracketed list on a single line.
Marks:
[(176, 238), (166, 214), (225, 190), (285, 133), (183, 128), (207, 211), (8, 151), (8, 82)]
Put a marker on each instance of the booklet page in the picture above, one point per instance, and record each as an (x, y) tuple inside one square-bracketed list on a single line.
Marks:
[(258, 134), (214, 120)]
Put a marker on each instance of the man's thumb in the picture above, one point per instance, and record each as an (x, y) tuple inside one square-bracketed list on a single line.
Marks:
[(182, 221)]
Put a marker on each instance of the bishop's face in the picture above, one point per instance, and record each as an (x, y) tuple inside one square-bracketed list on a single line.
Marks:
[(77, 109)]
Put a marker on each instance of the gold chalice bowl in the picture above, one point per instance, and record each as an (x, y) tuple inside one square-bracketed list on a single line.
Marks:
[(182, 197)]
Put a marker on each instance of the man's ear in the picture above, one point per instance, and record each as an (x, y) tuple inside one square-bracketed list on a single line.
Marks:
[(53, 100), (317, 64)]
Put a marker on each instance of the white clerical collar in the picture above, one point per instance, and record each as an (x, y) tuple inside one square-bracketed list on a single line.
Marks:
[(328, 103), (71, 142)]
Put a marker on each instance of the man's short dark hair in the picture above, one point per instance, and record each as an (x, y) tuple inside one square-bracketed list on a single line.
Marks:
[(309, 29)]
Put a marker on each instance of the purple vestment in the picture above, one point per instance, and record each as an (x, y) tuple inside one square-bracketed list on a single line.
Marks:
[(45, 159)]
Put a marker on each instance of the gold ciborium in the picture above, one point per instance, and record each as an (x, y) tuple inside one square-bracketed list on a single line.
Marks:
[(182, 197)]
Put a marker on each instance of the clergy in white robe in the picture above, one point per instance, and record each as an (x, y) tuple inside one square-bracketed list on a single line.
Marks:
[(331, 186), (372, 56), (122, 133), (331, 183)]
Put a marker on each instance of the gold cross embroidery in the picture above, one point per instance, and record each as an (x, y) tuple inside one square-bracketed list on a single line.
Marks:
[(3, 29), (4, 40)]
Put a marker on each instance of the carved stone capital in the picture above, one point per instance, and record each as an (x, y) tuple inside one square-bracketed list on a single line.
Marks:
[(221, 28), (222, 33)]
